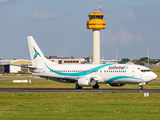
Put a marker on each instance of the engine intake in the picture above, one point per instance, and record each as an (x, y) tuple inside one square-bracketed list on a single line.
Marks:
[(86, 81)]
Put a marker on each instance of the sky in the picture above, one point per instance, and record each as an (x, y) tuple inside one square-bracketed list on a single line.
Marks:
[(59, 28)]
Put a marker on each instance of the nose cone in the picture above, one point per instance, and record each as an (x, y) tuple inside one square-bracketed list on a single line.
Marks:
[(154, 76)]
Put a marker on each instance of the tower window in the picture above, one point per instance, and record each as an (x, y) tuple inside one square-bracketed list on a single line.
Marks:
[(92, 17), (95, 17), (98, 17)]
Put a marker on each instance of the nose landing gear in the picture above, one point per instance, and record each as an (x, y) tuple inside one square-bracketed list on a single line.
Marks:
[(141, 87)]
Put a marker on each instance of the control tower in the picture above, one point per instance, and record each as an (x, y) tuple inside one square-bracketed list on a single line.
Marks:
[(96, 23)]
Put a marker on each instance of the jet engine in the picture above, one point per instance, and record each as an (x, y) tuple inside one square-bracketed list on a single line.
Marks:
[(117, 84), (89, 81)]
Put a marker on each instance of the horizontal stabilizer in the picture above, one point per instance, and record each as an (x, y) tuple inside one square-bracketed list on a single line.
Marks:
[(32, 67)]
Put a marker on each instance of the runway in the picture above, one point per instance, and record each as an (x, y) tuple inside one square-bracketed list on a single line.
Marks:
[(77, 90)]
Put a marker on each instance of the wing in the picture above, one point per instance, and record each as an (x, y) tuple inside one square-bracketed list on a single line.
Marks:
[(31, 67), (67, 79)]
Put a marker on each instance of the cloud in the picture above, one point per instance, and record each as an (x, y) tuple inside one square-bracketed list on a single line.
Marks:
[(43, 15), (122, 36), (7, 1), (127, 14), (109, 36), (3, 1)]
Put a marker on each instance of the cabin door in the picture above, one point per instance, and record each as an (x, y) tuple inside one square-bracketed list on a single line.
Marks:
[(133, 72)]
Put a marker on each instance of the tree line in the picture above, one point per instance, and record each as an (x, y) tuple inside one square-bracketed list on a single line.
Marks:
[(141, 61)]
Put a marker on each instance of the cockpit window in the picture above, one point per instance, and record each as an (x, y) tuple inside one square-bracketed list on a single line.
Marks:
[(145, 70)]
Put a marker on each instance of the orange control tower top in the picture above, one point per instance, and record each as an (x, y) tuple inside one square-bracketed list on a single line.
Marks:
[(96, 21)]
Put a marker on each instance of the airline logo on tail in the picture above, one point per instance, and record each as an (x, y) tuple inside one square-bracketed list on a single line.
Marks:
[(36, 53)]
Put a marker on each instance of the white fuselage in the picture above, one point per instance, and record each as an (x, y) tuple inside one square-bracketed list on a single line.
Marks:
[(105, 73)]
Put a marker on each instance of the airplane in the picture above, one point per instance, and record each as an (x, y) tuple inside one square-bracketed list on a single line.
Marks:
[(87, 74)]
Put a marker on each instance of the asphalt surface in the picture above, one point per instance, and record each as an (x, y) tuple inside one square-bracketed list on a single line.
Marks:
[(77, 90)]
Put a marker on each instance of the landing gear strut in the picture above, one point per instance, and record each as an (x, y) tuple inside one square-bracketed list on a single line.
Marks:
[(141, 87), (78, 87), (96, 86)]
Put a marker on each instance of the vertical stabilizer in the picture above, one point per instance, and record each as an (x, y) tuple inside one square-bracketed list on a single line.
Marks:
[(36, 54)]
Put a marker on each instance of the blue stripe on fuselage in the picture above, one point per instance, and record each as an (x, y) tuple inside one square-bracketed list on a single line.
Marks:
[(121, 77), (85, 72)]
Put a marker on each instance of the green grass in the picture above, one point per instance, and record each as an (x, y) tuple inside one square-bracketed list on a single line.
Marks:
[(42, 83), (86, 106)]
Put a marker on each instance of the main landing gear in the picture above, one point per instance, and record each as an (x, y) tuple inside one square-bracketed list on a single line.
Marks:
[(78, 87), (96, 86)]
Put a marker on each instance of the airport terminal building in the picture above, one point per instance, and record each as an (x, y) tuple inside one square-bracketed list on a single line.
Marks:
[(64, 60)]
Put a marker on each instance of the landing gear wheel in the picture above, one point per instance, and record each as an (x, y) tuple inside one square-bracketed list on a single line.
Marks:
[(141, 87), (78, 87), (96, 86)]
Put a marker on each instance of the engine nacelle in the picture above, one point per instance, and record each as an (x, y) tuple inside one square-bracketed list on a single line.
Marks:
[(117, 84), (89, 81)]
